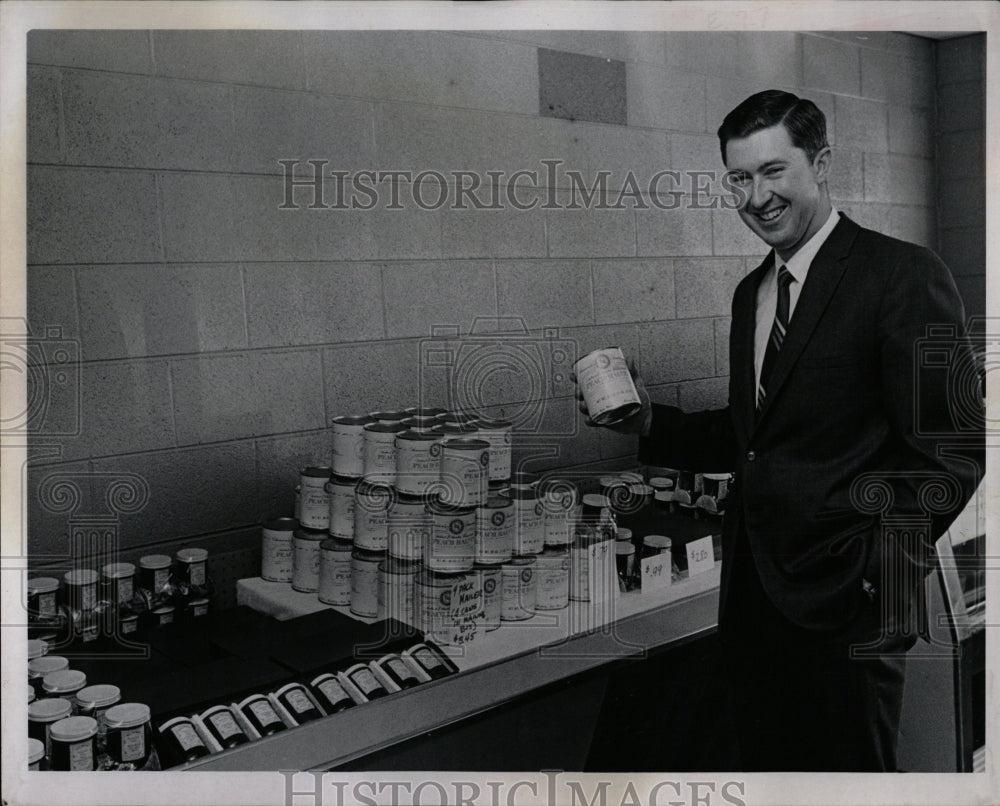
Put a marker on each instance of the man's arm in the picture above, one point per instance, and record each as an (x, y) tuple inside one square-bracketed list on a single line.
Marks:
[(703, 441)]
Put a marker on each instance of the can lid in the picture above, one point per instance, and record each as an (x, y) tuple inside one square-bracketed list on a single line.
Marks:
[(80, 576), (458, 417), (425, 411), (50, 709), (555, 551), (499, 502), (665, 495), (74, 728), (522, 493), (519, 561), (311, 534), (127, 715), (369, 555), (118, 570), (438, 507), (42, 585), (36, 648), (351, 419), (624, 548), (336, 544), (486, 568), (466, 444), (281, 525), (382, 427), (417, 436), (64, 681), (611, 481), (438, 579), (444, 429), (154, 562), (398, 567), (39, 667), (98, 696), (389, 415), (195, 555), (36, 751), (657, 541), (316, 472), (624, 533), (412, 499)]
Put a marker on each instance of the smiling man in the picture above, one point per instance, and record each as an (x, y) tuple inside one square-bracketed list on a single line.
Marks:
[(823, 394)]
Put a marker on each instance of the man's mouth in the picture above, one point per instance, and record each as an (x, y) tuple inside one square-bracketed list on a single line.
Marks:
[(772, 215)]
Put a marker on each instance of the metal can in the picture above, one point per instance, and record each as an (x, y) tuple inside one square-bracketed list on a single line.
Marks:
[(490, 578), (498, 434), (520, 589), (607, 386), (389, 416), (305, 560), (529, 520), (522, 480), (380, 451), (409, 527), (558, 499), (553, 579), (364, 582), (314, 505), (341, 492), (395, 590), (421, 423), (458, 418), (464, 471), (425, 411), (452, 543), (334, 587), (495, 530), (348, 438), (371, 515), (276, 557), (432, 604), (418, 461)]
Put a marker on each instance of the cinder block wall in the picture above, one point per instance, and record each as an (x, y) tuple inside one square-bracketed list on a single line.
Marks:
[(218, 333)]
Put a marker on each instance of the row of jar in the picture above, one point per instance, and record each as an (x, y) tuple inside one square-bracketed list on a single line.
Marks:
[(187, 738), (687, 492)]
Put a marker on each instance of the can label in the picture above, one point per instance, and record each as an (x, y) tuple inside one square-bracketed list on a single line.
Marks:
[(409, 530), (88, 596), (518, 593), (335, 577), (196, 573), (348, 449), (264, 712), (489, 581), (364, 587), (298, 700), (395, 596), (418, 465), (365, 681), (47, 605), (607, 386), (276, 556), (529, 531), (432, 601), (452, 544), (427, 658), (305, 571), (380, 456), (494, 534), (499, 452), (464, 474), (341, 510), (133, 743), (371, 520), (553, 583), (314, 505), (333, 690)]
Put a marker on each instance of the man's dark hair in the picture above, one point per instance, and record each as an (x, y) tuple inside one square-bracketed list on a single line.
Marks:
[(804, 122)]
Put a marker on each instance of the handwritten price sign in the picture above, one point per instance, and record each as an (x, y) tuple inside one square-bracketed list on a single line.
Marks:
[(701, 556), (656, 572)]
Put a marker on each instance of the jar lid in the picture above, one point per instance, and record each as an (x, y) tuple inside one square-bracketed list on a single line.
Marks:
[(36, 648), (466, 444), (80, 576), (118, 570), (67, 680), (39, 667), (36, 751), (162, 611), (624, 533), (717, 476), (661, 483), (99, 696), (657, 541), (49, 709), (195, 555), (31, 694), (281, 525), (623, 548), (127, 715), (351, 419), (316, 472), (42, 585), (154, 562), (335, 544), (519, 561), (369, 555), (192, 603), (595, 500), (74, 729)]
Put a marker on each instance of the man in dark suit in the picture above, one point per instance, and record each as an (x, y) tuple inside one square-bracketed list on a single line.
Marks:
[(823, 404)]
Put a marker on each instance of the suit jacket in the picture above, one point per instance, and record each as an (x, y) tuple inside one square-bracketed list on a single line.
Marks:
[(856, 436)]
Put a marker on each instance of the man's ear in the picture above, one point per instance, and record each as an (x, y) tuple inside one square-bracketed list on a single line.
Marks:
[(821, 164)]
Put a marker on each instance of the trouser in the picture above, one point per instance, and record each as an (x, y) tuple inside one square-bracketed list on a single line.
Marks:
[(801, 702)]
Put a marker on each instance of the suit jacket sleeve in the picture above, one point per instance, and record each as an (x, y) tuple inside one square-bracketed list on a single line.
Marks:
[(703, 441)]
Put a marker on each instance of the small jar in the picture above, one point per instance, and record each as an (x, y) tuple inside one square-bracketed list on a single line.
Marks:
[(259, 712), (42, 605), (73, 744), (154, 580), (395, 668), (39, 667), (552, 588), (655, 544), (36, 648), (81, 588), (129, 733), (296, 701), (194, 609), (36, 752), (221, 723), (181, 741), (64, 684), (42, 714), (192, 570), (626, 565), (366, 682), (119, 583), (331, 694), (430, 660), (162, 616), (94, 701)]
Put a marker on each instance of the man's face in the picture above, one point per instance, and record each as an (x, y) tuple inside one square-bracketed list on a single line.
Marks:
[(784, 193)]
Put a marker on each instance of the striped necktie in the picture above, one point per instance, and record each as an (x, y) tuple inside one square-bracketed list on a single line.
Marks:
[(778, 329)]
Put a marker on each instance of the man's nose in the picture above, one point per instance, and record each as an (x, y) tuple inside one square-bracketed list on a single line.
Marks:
[(760, 194)]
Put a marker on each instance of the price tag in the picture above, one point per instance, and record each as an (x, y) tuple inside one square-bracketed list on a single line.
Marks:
[(656, 572), (701, 556), (602, 574), (466, 610)]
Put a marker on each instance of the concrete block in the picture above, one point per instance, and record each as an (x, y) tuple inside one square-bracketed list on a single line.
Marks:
[(867, 214), (897, 78), (563, 434), (590, 232), (374, 376), (677, 351), (545, 293), (278, 462), (722, 328), (831, 64), (709, 52), (847, 178), (633, 46), (633, 290), (962, 59), (699, 161), (674, 232), (421, 296), (272, 125), (575, 86), (705, 286), (708, 393), (78, 215), (269, 58), (622, 152), (961, 107), (506, 233), (42, 104), (46, 535), (972, 288), (141, 122), (137, 311), (587, 339), (910, 131), (192, 492), (964, 250), (212, 399), (120, 51), (730, 236), (962, 202), (662, 98), (897, 178), (961, 155), (199, 217), (266, 232), (124, 408), (861, 124), (410, 233), (51, 301), (915, 224), (290, 304), (770, 58)]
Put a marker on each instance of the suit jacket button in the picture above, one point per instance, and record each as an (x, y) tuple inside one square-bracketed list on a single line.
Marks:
[(751, 456)]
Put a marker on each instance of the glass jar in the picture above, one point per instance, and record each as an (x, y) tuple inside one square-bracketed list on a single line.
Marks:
[(221, 723), (331, 694), (36, 752), (42, 714), (365, 681), (259, 712), (42, 594), (39, 667), (64, 684), (297, 702), (190, 578), (129, 733), (155, 589), (626, 564), (81, 589), (36, 648), (73, 744), (395, 668), (181, 742), (94, 701)]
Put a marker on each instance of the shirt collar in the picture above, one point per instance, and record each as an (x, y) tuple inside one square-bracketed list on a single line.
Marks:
[(798, 264)]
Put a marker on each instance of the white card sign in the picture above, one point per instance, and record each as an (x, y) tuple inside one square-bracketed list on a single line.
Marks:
[(656, 572), (466, 610), (701, 556)]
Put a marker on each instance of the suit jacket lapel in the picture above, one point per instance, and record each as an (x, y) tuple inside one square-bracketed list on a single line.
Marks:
[(742, 358), (824, 275)]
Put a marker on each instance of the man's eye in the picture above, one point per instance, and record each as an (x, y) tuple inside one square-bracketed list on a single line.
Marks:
[(739, 179), (774, 171)]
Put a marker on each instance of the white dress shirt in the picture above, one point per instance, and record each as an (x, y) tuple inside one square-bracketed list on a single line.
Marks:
[(767, 291)]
